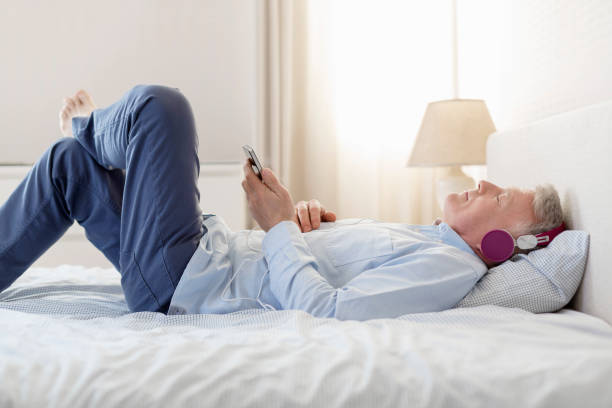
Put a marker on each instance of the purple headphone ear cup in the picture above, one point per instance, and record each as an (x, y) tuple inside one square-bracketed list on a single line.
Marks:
[(497, 245)]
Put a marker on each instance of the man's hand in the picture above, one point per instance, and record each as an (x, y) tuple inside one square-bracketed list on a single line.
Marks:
[(269, 201), (309, 215)]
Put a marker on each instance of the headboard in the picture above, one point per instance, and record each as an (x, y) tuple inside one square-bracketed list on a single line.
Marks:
[(572, 151)]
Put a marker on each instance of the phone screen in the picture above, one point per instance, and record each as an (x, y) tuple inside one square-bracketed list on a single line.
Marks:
[(255, 163)]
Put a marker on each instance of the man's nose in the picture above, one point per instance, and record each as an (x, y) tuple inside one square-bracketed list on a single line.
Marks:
[(484, 186)]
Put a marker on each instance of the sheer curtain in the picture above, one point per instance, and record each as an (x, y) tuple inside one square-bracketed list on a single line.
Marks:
[(344, 85)]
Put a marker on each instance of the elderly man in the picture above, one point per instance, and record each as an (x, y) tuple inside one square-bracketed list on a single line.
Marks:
[(129, 178)]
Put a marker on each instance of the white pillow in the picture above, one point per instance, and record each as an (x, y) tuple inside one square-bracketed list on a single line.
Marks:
[(542, 281)]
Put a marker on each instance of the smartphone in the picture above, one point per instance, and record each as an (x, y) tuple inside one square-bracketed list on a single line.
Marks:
[(255, 163)]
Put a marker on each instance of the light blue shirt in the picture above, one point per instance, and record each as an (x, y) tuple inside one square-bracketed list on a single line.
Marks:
[(350, 269)]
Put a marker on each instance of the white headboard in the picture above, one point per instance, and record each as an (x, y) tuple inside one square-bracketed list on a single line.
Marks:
[(572, 151)]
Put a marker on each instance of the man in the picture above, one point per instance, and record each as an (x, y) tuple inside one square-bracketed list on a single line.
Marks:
[(129, 178)]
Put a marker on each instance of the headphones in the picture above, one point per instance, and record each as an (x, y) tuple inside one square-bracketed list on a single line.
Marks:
[(498, 245)]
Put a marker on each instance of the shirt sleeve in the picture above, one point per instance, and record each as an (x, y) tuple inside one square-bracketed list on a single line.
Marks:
[(294, 272), (426, 281)]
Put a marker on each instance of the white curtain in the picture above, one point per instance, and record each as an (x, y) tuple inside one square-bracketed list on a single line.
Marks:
[(343, 87), (275, 31)]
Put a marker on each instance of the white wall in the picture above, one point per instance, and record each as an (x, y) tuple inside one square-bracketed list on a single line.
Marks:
[(532, 59), (50, 49)]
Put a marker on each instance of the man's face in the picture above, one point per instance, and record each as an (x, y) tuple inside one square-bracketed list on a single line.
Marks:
[(474, 213)]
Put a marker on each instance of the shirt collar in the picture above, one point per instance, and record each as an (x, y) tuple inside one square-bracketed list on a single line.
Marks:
[(450, 237)]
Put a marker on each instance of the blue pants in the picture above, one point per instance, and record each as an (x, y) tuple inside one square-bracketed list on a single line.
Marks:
[(129, 177)]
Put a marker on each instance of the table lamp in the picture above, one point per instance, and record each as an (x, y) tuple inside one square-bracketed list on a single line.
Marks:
[(453, 133)]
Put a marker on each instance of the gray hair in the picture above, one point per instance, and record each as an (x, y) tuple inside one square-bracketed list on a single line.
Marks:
[(547, 209)]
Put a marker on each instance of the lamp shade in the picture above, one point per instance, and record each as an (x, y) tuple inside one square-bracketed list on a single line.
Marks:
[(453, 132)]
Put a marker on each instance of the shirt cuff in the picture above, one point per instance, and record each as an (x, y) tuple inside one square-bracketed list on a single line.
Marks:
[(280, 236)]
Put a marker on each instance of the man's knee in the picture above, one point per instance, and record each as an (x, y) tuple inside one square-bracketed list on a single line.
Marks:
[(166, 107), (67, 155), (166, 100)]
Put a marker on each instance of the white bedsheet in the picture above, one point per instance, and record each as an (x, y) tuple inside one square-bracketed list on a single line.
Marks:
[(69, 342)]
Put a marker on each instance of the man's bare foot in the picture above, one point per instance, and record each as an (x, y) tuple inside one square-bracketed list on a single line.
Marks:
[(81, 104)]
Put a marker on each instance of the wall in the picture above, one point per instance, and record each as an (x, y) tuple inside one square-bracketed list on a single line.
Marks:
[(533, 59), (206, 48)]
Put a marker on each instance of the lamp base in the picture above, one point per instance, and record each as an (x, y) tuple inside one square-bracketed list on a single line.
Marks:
[(455, 181)]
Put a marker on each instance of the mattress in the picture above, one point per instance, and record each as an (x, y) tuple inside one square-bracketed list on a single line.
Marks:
[(68, 340)]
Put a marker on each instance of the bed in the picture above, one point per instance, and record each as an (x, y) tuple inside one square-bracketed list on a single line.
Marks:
[(68, 339)]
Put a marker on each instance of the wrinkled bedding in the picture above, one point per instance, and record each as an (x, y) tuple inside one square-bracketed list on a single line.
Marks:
[(68, 340)]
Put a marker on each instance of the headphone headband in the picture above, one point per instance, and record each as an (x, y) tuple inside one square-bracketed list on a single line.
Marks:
[(544, 238)]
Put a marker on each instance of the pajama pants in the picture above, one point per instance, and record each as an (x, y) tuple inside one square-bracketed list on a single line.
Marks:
[(129, 178)]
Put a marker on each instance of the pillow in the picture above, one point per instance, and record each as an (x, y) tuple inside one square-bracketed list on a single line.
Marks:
[(542, 281)]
